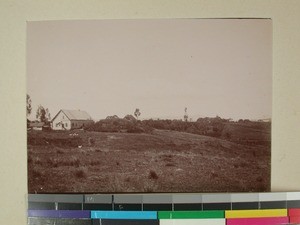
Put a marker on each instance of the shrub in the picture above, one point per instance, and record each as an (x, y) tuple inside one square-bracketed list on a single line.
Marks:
[(214, 175), (243, 164), (94, 162), (167, 159), (135, 129), (170, 164), (150, 187), (153, 175), (259, 179), (37, 161), (36, 174), (74, 161), (53, 162), (59, 151), (29, 159), (81, 172), (91, 141)]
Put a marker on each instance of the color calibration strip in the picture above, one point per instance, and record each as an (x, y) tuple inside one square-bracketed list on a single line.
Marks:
[(189, 209)]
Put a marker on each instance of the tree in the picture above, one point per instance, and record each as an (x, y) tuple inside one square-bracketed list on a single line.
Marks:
[(28, 105), (48, 116), (42, 114), (185, 115), (137, 113)]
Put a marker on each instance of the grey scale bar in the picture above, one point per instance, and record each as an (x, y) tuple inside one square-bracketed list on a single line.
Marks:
[(273, 205), (58, 221), (276, 196), (101, 199), (128, 199), (187, 198), (292, 196), (157, 199), (165, 198), (216, 198), (245, 197), (55, 198)]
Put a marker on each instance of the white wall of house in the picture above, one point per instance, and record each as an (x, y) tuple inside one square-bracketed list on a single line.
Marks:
[(37, 128), (61, 122)]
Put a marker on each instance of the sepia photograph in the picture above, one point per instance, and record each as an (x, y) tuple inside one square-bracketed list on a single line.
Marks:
[(149, 105)]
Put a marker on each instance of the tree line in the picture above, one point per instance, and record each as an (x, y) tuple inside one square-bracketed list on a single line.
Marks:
[(42, 114)]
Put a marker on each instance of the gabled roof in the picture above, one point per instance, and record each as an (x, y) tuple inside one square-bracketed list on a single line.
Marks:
[(75, 114)]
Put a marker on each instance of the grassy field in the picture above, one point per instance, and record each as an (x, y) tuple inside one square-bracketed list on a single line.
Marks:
[(160, 161)]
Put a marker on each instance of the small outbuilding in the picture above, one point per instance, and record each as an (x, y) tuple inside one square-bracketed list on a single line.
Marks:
[(35, 125), (71, 119)]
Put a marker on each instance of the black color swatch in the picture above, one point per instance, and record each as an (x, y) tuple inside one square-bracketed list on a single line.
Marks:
[(216, 206), (244, 205), (273, 205), (293, 204), (128, 222), (41, 205), (157, 207), (188, 207), (69, 206), (127, 207), (95, 206), (51, 221)]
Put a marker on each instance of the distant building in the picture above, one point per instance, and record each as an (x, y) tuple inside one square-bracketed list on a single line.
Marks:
[(35, 125), (71, 119), (264, 120)]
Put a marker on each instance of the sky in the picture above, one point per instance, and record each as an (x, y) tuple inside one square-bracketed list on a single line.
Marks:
[(161, 66)]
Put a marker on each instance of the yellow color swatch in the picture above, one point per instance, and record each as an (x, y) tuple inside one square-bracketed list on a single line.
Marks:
[(256, 213)]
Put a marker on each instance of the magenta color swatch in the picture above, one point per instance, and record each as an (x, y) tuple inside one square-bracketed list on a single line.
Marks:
[(257, 221)]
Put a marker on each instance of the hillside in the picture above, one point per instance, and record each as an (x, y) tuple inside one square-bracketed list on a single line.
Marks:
[(241, 132), (250, 134), (160, 161)]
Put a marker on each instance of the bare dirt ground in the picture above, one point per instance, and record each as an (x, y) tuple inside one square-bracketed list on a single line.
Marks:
[(161, 161)]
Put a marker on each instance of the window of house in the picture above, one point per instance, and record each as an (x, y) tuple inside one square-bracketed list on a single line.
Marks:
[(66, 125)]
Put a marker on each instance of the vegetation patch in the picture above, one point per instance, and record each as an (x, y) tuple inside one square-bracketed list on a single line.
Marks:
[(81, 172), (51, 138), (146, 162), (153, 175)]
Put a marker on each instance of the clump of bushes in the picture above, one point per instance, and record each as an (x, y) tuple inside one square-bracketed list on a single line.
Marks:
[(36, 174), (59, 151), (153, 175), (48, 139), (115, 124), (53, 162), (72, 161), (170, 164), (81, 172), (94, 162), (214, 175), (91, 141), (259, 179)]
